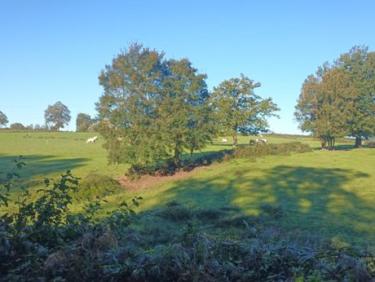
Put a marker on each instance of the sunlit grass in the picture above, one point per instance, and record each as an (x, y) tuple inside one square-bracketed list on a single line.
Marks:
[(329, 193)]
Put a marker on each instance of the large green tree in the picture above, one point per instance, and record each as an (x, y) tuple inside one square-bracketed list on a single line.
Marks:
[(359, 64), (340, 98), (151, 108), (238, 109), (57, 116), (3, 119), (83, 122), (324, 104), (183, 112)]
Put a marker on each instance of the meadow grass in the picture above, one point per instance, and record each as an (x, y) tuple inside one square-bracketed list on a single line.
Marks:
[(329, 193)]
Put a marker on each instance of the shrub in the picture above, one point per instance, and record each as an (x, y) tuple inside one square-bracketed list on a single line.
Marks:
[(261, 150), (96, 185), (371, 144), (168, 167)]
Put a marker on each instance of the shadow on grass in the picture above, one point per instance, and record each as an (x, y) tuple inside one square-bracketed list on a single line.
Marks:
[(312, 200), (41, 165)]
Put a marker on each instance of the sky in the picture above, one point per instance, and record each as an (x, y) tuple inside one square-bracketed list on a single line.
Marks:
[(54, 50)]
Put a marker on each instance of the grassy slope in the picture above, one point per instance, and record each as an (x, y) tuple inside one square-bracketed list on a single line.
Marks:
[(330, 193), (49, 154)]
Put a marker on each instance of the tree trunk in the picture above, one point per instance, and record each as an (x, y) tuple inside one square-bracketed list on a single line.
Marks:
[(176, 157), (323, 143), (358, 141), (235, 140)]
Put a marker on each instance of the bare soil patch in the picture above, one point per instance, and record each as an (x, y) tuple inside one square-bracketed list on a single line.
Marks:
[(148, 181)]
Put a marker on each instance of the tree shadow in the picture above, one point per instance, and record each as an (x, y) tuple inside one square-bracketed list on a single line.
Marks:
[(313, 200), (40, 165)]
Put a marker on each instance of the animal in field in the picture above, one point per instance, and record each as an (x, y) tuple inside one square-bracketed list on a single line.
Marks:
[(224, 140), (92, 139), (261, 141)]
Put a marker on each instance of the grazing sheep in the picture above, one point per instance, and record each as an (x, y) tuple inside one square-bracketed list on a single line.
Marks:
[(92, 139), (261, 141), (224, 140)]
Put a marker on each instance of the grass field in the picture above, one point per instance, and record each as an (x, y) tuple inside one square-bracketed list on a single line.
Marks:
[(327, 193)]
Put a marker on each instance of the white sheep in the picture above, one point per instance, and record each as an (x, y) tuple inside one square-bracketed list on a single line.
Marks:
[(261, 141), (92, 139), (224, 140)]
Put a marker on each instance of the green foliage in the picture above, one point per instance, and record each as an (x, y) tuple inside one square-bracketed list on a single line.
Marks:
[(340, 99), (96, 185), (169, 167), (359, 64), (238, 109), (3, 119), (152, 109), (57, 116), (83, 122), (324, 103), (261, 150), (34, 239), (17, 126)]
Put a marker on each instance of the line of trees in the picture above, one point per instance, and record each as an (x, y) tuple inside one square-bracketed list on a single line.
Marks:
[(56, 116), (339, 100), (155, 108)]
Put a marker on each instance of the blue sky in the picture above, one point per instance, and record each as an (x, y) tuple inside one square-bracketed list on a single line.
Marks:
[(54, 50)]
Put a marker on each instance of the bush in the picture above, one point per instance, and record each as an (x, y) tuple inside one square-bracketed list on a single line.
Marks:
[(261, 150), (39, 239), (96, 185), (168, 167), (371, 144)]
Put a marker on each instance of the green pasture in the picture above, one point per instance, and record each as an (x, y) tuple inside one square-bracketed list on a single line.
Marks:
[(328, 193)]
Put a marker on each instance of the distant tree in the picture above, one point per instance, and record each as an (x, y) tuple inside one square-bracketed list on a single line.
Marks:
[(39, 127), (359, 64), (30, 127), (238, 109), (17, 126), (152, 108), (83, 122), (57, 116), (3, 119)]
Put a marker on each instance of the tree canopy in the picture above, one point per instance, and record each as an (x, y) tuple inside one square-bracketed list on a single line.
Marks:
[(17, 126), (238, 109), (359, 64), (339, 99), (83, 122), (152, 108), (57, 116)]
